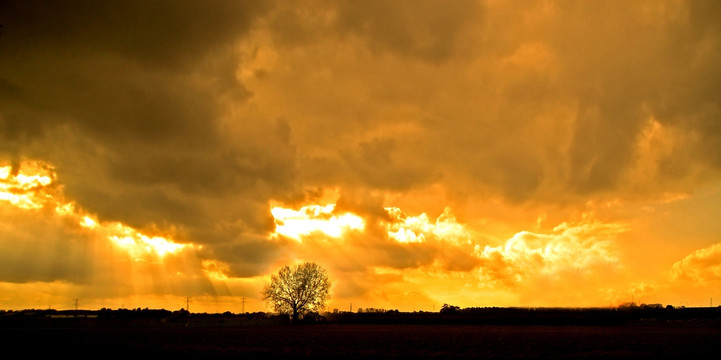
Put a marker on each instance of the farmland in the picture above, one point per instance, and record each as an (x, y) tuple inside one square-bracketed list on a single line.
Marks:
[(412, 336)]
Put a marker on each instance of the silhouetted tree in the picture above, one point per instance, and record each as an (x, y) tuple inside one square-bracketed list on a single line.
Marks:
[(449, 309), (297, 290)]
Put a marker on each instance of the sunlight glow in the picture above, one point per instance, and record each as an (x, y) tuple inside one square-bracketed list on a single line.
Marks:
[(25, 189), (88, 222), (215, 269), (139, 245), (582, 247), (30, 187), (314, 218), (417, 229)]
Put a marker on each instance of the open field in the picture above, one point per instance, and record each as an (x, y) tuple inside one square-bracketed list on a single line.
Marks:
[(700, 339)]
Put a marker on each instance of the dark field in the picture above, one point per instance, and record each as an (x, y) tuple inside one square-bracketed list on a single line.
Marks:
[(632, 341), (473, 333)]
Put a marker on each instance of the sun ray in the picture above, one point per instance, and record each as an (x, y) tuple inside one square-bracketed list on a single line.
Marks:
[(32, 186)]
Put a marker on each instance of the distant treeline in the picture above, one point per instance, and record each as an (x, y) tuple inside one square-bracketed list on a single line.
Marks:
[(448, 314), (534, 316)]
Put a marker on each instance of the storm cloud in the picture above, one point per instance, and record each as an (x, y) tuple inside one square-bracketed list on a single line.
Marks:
[(194, 119)]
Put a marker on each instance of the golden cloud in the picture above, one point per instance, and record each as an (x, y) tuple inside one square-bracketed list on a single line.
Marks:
[(702, 267), (587, 247)]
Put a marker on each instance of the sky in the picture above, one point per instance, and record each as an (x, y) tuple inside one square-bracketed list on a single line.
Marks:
[(174, 154)]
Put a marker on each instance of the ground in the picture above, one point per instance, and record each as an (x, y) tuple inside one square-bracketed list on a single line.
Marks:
[(654, 339)]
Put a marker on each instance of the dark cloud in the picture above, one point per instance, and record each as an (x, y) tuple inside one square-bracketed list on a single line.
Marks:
[(129, 76), (161, 33), (195, 117), (622, 80), (129, 100), (118, 69), (430, 30), (613, 66), (373, 164), (249, 256)]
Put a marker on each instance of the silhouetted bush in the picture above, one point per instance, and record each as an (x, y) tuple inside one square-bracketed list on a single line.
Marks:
[(450, 309)]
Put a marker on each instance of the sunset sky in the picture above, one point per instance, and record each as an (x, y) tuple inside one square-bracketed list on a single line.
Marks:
[(474, 153)]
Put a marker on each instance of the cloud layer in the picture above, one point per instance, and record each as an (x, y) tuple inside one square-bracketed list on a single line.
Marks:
[(192, 120)]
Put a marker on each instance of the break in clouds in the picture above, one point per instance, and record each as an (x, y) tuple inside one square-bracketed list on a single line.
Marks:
[(191, 119)]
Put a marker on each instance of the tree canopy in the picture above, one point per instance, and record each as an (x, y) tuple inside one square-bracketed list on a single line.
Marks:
[(297, 290)]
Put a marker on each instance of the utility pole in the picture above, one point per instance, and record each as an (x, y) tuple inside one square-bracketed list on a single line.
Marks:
[(187, 304), (243, 307), (351, 307), (76, 307)]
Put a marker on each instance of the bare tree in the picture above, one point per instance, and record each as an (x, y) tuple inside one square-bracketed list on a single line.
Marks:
[(297, 290)]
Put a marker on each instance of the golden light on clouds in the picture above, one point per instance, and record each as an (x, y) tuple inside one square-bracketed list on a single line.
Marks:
[(472, 152), (32, 187), (314, 218), (27, 190), (88, 222), (584, 247), (215, 269), (411, 229), (445, 254), (702, 267), (140, 245)]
